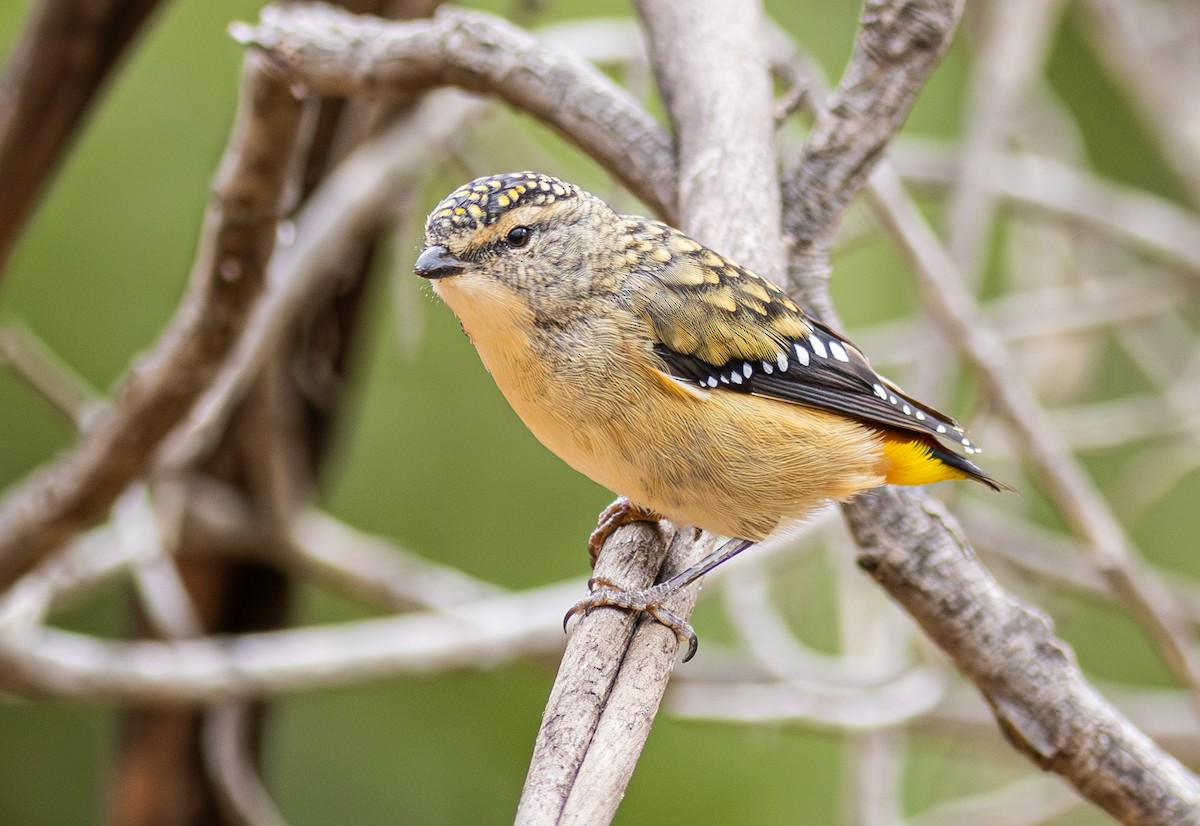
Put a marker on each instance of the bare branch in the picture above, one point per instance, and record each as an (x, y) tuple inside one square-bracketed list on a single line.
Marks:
[(348, 206), (1015, 35), (1149, 47), (1148, 222), (60, 63), (912, 548), (1028, 677), (335, 53), (75, 492), (478, 635), (167, 603), (1030, 800), (897, 47), (1080, 503), (37, 364)]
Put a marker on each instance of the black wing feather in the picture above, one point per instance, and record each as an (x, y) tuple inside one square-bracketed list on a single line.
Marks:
[(814, 376)]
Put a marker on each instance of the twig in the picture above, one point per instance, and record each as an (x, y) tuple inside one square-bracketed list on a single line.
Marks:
[(893, 702), (1015, 35), (478, 635), (335, 53), (169, 607), (243, 796), (632, 701), (37, 364), (1146, 221), (1076, 497), (875, 762), (60, 62), (591, 663), (1150, 49), (913, 549), (352, 203), (74, 492), (371, 569), (1030, 800)]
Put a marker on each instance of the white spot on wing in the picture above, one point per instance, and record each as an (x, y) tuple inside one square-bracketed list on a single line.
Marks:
[(735, 377), (768, 367), (801, 353), (941, 428), (818, 346), (880, 392), (747, 370), (782, 362), (839, 352)]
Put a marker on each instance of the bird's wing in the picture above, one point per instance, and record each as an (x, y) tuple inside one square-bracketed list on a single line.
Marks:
[(722, 327)]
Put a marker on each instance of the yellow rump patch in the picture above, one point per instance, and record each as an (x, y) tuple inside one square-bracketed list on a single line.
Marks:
[(910, 462)]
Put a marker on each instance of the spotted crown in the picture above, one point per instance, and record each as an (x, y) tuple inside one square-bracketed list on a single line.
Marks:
[(482, 201)]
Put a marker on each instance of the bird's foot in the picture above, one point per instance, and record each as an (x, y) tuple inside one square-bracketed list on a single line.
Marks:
[(619, 513), (607, 594)]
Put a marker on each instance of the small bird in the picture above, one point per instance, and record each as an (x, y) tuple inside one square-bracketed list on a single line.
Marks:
[(695, 389)]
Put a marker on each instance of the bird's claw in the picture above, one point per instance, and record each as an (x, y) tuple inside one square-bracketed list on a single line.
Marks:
[(605, 594), (619, 513)]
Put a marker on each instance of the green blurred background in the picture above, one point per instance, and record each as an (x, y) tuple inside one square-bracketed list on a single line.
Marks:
[(430, 455)]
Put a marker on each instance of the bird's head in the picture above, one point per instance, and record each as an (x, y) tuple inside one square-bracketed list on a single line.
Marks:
[(521, 234)]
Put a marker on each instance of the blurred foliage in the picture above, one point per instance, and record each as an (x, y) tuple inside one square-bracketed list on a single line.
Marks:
[(430, 454)]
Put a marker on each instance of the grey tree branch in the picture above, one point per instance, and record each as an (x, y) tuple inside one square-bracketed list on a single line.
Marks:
[(60, 63), (1027, 676), (476, 52), (479, 634), (1015, 37), (76, 491), (1153, 224), (914, 550), (1077, 498), (897, 47)]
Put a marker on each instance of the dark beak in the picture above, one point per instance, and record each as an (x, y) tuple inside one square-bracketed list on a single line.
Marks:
[(437, 262)]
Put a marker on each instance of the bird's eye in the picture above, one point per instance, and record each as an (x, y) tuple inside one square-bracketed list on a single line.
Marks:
[(518, 236)]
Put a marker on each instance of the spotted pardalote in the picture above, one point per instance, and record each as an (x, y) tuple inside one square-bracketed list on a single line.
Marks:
[(666, 372)]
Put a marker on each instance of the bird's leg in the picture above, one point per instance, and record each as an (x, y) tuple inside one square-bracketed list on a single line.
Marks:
[(621, 512), (649, 600)]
